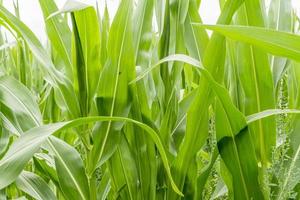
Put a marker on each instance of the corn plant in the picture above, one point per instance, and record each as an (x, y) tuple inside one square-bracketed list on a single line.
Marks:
[(146, 104)]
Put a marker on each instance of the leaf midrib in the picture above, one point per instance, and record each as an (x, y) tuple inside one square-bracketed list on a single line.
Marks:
[(36, 121), (22, 177), (67, 169), (115, 88)]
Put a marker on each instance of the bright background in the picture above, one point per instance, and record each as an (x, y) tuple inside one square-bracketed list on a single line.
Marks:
[(32, 16)]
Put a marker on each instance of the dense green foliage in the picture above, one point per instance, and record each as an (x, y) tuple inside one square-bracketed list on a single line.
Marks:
[(147, 105)]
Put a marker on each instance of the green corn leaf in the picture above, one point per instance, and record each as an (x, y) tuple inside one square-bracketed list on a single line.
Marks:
[(70, 170), (104, 187), (142, 99), (280, 17), (205, 172), (4, 140), (86, 56), (197, 115), (232, 135), (46, 165), (122, 166), (35, 186), (71, 6), (61, 84), (275, 42), (113, 93), (20, 152), (14, 156), (59, 35), (183, 8), (263, 132), (104, 26), (2, 195), (29, 143), (19, 110), (267, 113), (196, 38), (237, 154)]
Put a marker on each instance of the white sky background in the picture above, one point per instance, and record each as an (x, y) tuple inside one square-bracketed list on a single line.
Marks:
[(31, 13)]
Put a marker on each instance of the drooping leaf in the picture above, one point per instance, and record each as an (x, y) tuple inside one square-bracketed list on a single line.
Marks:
[(197, 115), (275, 42), (232, 135), (22, 150), (71, 6)]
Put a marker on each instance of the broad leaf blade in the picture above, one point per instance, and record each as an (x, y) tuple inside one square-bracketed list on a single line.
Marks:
[(19, 104), (35, 186), (86, 56), (70, 170)]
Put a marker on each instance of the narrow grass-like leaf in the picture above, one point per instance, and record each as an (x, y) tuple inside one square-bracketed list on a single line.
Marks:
[(205, 172), (59, 34), (45, 164), (151, 107), (183, 8), (268, 113), (196, 38), (280, 17)]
